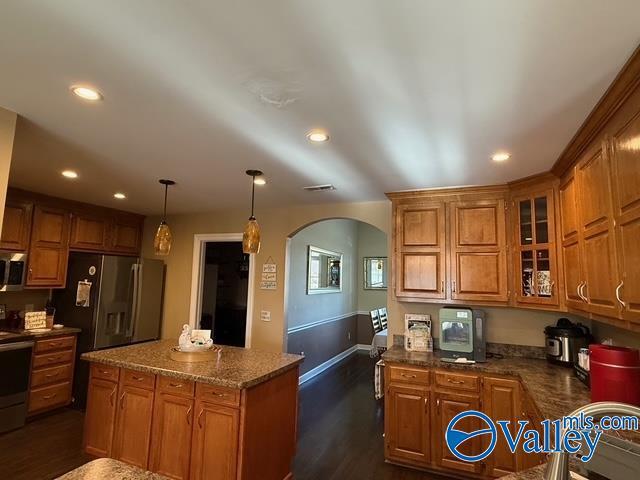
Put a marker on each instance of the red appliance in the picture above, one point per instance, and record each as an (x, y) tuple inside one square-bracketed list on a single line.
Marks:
[(615, 374)]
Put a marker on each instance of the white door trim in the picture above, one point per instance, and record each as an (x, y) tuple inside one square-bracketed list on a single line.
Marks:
[(199, 241)]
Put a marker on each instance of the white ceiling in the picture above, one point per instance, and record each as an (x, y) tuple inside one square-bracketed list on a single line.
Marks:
[(413, 93)]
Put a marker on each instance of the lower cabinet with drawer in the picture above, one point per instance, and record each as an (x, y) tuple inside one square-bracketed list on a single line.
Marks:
[(187, 430), (51, 373), (419, 405)]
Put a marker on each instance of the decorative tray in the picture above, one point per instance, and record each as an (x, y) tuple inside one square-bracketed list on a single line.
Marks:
[(209, 355)]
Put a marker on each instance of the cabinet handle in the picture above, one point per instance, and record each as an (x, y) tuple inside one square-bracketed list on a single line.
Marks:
[(51, 375), (438, 403), (455, 382), (442, 286), (137, 379), (111, 397), (407, 376), (551, 287), (54, 344), (175, 385), (454, 286), (579, 291), (584, 297), (104, 372), (53, 359), (200, 417), (49, 397), (426, 403), (122, 401), (189, 415), (622, 304)]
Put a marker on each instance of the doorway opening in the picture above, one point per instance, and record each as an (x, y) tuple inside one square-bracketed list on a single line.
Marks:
[(221, 296)]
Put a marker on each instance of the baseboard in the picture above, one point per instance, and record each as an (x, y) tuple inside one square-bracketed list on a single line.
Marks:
[(363, 346), (329, 363)]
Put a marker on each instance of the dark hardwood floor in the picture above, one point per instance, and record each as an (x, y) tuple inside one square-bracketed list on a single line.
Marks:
[(339, 434), (341, 426), (45, 448)]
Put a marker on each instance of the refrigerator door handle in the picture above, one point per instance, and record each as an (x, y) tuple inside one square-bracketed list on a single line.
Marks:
[(133, 316)]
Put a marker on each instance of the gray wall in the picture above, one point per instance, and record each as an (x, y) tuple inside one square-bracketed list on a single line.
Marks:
[(338, 236)]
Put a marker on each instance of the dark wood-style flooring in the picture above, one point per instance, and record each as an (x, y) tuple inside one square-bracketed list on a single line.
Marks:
[(339, 434), (341, 426)]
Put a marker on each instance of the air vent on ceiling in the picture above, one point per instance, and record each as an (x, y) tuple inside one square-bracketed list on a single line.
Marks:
[(319, 188)]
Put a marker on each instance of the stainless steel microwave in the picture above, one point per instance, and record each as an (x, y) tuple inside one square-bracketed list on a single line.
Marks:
[(13, 267)]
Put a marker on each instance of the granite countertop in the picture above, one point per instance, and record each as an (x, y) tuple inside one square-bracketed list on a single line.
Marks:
[(554, 389), (111, 469), (8, 335), (235, 368), (54, 332)]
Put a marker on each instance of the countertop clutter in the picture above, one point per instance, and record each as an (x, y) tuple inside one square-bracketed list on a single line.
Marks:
[(238, 368), (111, 469)]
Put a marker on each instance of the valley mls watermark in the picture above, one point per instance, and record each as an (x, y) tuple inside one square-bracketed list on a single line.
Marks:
[(568, 434)]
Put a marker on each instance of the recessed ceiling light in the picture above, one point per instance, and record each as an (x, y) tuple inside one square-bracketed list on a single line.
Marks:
[(500, 156), (87, 93), (318, 136), (119, 196), (260, 181), (69, 174)]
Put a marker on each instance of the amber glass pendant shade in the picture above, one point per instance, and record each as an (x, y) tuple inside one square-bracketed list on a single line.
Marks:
[(251, 237), (163, 240)]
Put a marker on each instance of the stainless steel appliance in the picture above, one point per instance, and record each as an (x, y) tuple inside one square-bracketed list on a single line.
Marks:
[(462, 333), (12, 271), (564, 340), (15, 367), (114, 300)]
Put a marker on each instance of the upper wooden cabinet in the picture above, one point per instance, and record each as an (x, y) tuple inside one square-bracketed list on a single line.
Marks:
[(478, 250), (420, 243), (536, 273), (126, 234), (570, 243), (49, 249), (118, 233), (451, 246), (16, 226), (89, 232)]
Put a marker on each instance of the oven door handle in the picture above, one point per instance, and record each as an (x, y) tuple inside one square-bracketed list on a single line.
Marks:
[(15, 346)]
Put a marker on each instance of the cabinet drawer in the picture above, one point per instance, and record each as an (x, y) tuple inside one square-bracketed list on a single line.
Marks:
[(458, 381), (175, 386), (105, 372), (220, 395), (49, 397), (46, 359), (54, 343), (139, 379), (408, 375), (45, 376)]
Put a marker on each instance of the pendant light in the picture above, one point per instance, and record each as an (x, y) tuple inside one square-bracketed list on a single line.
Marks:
[(163, 240), (251, 236)]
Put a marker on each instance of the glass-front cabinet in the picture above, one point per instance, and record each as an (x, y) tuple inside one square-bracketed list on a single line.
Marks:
[(534, 253)]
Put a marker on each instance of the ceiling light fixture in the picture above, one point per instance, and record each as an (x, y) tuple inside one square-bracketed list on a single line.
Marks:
[(163, 239), (251, 235), (318, 136), (260, 181), (500, 156), (69, 174), (86, 93), (119, 196)]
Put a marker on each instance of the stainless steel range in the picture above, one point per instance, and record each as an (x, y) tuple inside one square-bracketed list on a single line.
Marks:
[(15, 367)]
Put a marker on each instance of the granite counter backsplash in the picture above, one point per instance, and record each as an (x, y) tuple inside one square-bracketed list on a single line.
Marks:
[(235, 367)]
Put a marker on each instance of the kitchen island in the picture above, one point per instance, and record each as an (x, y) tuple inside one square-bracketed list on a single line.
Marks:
[(231, 418)]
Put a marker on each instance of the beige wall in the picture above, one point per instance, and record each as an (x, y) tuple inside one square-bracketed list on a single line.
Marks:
[(7, 134), (372, 242), (505, 325)]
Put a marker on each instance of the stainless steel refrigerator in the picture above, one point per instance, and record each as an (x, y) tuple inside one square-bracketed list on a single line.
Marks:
[(114, 300)]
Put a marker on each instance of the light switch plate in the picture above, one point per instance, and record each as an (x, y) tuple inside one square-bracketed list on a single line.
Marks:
[(265, 315)]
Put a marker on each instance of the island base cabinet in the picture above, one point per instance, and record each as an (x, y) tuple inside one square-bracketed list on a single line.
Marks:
[(215, 442), (407, 416), (100, 417), (133, 426)]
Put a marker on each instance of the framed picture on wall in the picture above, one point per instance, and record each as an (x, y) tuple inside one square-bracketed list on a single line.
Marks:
[(324, 271), (375, 273)]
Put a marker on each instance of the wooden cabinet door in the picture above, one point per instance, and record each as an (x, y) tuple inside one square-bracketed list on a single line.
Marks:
[(420, 247), (478, 250), (49, 251), (447, 406), (571, 247), (126, 232), (133, 426), (501, 401), (171, 436), (625, 162), (16, 226), (88, 232), (214, 452), (597, 233), (100, 417), (407, 429)]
